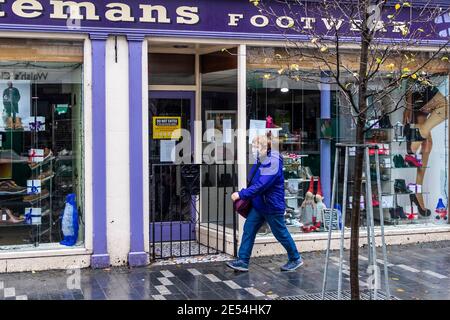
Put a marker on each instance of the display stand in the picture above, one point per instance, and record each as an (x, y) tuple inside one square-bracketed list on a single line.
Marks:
[(370, 219)]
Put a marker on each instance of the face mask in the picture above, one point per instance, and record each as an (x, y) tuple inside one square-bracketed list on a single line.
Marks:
[(255, 153)]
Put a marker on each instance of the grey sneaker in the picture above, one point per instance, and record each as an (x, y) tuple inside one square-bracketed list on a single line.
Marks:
[(238, 265), (292, 265)]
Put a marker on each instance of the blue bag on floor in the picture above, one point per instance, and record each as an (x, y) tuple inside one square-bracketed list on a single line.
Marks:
[(69, 224)]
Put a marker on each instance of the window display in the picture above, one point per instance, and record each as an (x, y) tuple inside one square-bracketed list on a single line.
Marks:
[(41, 146), (407, 126), (413, 169), (291, 109)]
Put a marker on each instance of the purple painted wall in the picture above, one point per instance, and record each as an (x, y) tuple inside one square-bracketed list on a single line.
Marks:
[(213, 20), (100, 257), (137, 255)]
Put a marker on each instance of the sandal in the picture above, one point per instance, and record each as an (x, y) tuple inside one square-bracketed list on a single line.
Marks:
[(12, 219)]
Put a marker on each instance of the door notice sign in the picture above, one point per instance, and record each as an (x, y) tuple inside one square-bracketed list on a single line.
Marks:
[(167, 128)]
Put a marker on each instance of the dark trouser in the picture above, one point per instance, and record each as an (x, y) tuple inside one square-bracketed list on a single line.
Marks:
[(277, 224), (11, 109)]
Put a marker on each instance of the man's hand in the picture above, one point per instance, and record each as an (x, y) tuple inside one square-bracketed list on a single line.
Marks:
[(235, 196)]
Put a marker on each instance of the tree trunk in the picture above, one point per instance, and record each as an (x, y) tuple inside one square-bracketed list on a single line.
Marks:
[(355, 218), (359, 160)]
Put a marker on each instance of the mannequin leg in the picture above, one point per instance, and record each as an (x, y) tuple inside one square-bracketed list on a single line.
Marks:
[(427, 146), (439, 114)]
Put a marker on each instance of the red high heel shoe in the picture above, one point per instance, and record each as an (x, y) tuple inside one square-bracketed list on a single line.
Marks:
[(375, 201), (412, 161)]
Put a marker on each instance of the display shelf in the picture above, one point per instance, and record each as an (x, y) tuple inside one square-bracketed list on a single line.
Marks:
[(393, 168), (6, 161), (46, 179), (13, 194), (293, 197), (404, 194), (407, 221), (11, 225), (43, 163), (37, 199), (64, 158)]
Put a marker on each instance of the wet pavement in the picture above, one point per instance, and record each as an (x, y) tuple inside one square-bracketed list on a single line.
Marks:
[(419, 271)]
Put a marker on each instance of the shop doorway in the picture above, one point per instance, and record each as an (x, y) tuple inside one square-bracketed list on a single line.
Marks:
[(191, 212), (172, 214)]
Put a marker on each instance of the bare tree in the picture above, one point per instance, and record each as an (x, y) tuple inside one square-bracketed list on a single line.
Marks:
[(384, 35)]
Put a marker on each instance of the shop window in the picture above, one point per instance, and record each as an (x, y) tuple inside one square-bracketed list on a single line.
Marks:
[(414, 167), (293, 107), (41, 144), (219, 120)]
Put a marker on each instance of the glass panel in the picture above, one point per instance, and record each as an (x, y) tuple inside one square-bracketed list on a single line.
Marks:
[(219, 120), (171, 69), (295, 111), (41, 153), (40, 50), (171, 203), (414, 171), (171, 108)]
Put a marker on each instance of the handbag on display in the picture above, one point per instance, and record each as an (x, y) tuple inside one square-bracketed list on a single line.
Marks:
[(241, 206)]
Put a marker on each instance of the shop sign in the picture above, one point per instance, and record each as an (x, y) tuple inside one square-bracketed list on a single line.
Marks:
[(223, 18), (167, 128)]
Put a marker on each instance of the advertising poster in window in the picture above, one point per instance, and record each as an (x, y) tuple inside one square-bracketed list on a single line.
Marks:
[(166, 128), (15, 101)]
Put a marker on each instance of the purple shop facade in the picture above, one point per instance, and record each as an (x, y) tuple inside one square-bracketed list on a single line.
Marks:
[(202, 19)]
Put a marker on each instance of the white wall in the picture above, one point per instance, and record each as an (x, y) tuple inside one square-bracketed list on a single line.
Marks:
[(117, 151)]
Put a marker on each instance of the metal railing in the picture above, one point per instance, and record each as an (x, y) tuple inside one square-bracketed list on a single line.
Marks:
[(191, 211)]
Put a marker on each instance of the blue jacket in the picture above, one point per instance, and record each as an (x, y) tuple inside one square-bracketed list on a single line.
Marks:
[(266, 190)]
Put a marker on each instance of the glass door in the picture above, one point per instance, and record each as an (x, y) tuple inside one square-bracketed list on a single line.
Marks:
[(172, 215)]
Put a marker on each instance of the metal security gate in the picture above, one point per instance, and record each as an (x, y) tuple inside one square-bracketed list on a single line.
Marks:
[(191, 211)]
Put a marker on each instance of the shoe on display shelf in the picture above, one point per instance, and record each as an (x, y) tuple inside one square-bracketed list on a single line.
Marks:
[(413, 161), (48, 154), (64, 170), (400, 186), (18, 124), (64, 153), (295, 223), (7, 217), (423, 211), (45, 175), (35, 197), (10, 187), (10, 156)]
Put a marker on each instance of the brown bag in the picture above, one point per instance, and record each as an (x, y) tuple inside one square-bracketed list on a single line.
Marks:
[(243, 207)]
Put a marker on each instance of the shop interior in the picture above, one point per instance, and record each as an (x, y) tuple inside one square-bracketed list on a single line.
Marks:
[(41, 144)]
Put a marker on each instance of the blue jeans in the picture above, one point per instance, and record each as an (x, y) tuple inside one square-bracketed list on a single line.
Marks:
[(277, 224)]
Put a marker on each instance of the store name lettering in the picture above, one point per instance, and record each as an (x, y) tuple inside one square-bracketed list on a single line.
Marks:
[(115, 11), (23, 76), (149, 13)]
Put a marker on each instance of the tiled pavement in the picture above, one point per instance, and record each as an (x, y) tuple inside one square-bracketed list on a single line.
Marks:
[(416, 272)]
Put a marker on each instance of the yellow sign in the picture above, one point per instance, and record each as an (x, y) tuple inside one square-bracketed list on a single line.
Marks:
[(165, 127)]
